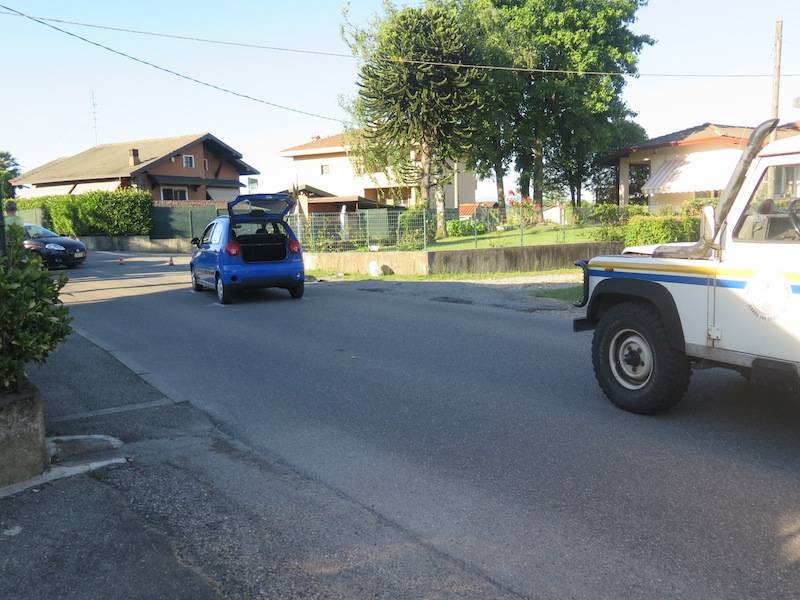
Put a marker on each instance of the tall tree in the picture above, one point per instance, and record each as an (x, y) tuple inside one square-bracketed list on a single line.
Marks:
[(562, 41), (9, 168), (423, 111)]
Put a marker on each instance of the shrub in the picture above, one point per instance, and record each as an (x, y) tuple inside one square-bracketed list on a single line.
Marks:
[(609, 233), (644, 230), (125, 211), (457, 228), (609, 214), (32, 319), (412, 232)]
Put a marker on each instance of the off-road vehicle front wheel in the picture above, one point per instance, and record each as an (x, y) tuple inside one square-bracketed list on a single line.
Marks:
[(634, 363)]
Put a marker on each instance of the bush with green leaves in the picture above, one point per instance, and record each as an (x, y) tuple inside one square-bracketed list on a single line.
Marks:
[(126, 211), (610, 214), (415, 227), (458, 228), (645, 230), (33, 321)]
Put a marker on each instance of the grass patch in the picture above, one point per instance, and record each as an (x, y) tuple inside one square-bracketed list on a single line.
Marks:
[(566, 294), (538, 235)]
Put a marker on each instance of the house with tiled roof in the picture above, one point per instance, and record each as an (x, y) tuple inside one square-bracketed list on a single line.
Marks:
[(195, 167), (693, 163), (324, 163)]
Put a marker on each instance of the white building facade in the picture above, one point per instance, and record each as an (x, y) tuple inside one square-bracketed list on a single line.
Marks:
[(324, 164)]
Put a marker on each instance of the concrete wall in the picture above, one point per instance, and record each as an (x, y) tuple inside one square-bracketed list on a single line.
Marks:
[(524, 258), (400, 263), (137, 243), (23, 453), (488, 260)]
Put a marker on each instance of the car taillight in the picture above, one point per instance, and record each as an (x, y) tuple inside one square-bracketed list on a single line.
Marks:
[(294, 246), (232, 248)]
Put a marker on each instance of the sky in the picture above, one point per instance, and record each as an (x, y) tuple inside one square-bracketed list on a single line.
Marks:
[(50, 77)]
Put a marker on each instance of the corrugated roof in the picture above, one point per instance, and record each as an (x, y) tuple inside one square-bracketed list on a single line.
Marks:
[(109, 161), (698, 172), (335, 143)]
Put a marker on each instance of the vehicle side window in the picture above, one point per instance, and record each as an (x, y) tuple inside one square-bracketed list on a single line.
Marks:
[(766, 218), (206, 239), (216, 236)]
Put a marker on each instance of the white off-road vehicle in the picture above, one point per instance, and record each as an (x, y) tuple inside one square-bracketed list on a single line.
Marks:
[(730, 300)]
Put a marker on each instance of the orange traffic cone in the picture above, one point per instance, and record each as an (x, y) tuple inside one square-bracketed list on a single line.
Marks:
[(171, 262)]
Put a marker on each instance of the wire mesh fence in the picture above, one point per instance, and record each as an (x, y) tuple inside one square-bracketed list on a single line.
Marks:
[(415, 229)]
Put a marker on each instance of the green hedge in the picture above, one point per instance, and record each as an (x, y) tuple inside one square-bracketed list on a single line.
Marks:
[(125, 211), (642, 230), (457, 228)]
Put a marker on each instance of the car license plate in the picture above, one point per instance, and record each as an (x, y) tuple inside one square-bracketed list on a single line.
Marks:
[(80, 254)]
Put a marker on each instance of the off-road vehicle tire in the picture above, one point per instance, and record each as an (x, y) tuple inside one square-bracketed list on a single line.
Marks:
[(634, 363)]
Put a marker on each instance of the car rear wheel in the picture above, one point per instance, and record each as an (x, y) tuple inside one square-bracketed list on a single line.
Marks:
[(223, 291), (633, 360), (297, 291), (196, 285)]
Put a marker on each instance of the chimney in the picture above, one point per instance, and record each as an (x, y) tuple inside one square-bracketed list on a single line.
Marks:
[(133, 157)]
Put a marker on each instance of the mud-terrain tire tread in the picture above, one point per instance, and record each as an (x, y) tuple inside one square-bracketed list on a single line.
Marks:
[(671, 367)]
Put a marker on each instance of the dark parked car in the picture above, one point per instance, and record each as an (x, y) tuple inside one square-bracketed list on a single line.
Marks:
[(55, 250), (252, 247)]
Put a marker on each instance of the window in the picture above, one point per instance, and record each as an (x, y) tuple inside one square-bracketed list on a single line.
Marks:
[(324, 169), (174, 193), (217, 235), (205, 164), (188, 161), (206, 239), (766, 218)]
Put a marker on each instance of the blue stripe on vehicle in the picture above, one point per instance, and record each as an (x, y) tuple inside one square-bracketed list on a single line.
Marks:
[(652, 277), (733, 284)]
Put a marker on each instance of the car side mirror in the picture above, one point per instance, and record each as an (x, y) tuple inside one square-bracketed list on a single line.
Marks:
[(195, 242)]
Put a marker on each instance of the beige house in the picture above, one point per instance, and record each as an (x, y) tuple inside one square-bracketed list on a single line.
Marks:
[(196, 167), (324, 164), (692, 163)]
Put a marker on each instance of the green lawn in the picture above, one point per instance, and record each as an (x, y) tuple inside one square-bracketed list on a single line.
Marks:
[(538, 235)]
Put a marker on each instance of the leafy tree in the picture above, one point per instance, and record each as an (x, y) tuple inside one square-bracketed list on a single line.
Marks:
[(425, 112), (9, 168), (577, 36), (583, 139)]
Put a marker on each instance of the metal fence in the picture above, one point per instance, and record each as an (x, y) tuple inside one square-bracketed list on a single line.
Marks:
[(415, 229), (181, 221)]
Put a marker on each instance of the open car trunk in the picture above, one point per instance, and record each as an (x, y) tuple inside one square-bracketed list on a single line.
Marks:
[(262, 247)]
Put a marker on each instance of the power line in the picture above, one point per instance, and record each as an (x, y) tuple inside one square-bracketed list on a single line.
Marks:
[(388, 59), (169, 71)]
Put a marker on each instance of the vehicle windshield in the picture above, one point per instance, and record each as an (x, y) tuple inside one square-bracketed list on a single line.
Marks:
[(36, 231)]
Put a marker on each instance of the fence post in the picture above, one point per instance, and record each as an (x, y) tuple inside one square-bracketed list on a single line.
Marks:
[(366, 218), (191, 224), (475, 231), (521, 228)]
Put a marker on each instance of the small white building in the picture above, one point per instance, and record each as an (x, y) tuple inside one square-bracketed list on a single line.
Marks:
[(324, 163), (692, 163)]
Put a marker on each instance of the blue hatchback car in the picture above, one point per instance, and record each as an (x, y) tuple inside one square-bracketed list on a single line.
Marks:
[(251, 247)]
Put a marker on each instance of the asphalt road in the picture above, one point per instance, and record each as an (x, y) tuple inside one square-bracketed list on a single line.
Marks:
[(476, 426)]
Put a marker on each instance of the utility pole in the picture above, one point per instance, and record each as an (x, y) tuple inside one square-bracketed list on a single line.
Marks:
[(776, 78)]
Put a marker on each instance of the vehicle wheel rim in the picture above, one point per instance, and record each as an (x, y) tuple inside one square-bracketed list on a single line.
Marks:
[(194, 279), (631, 359), (220, 289)]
